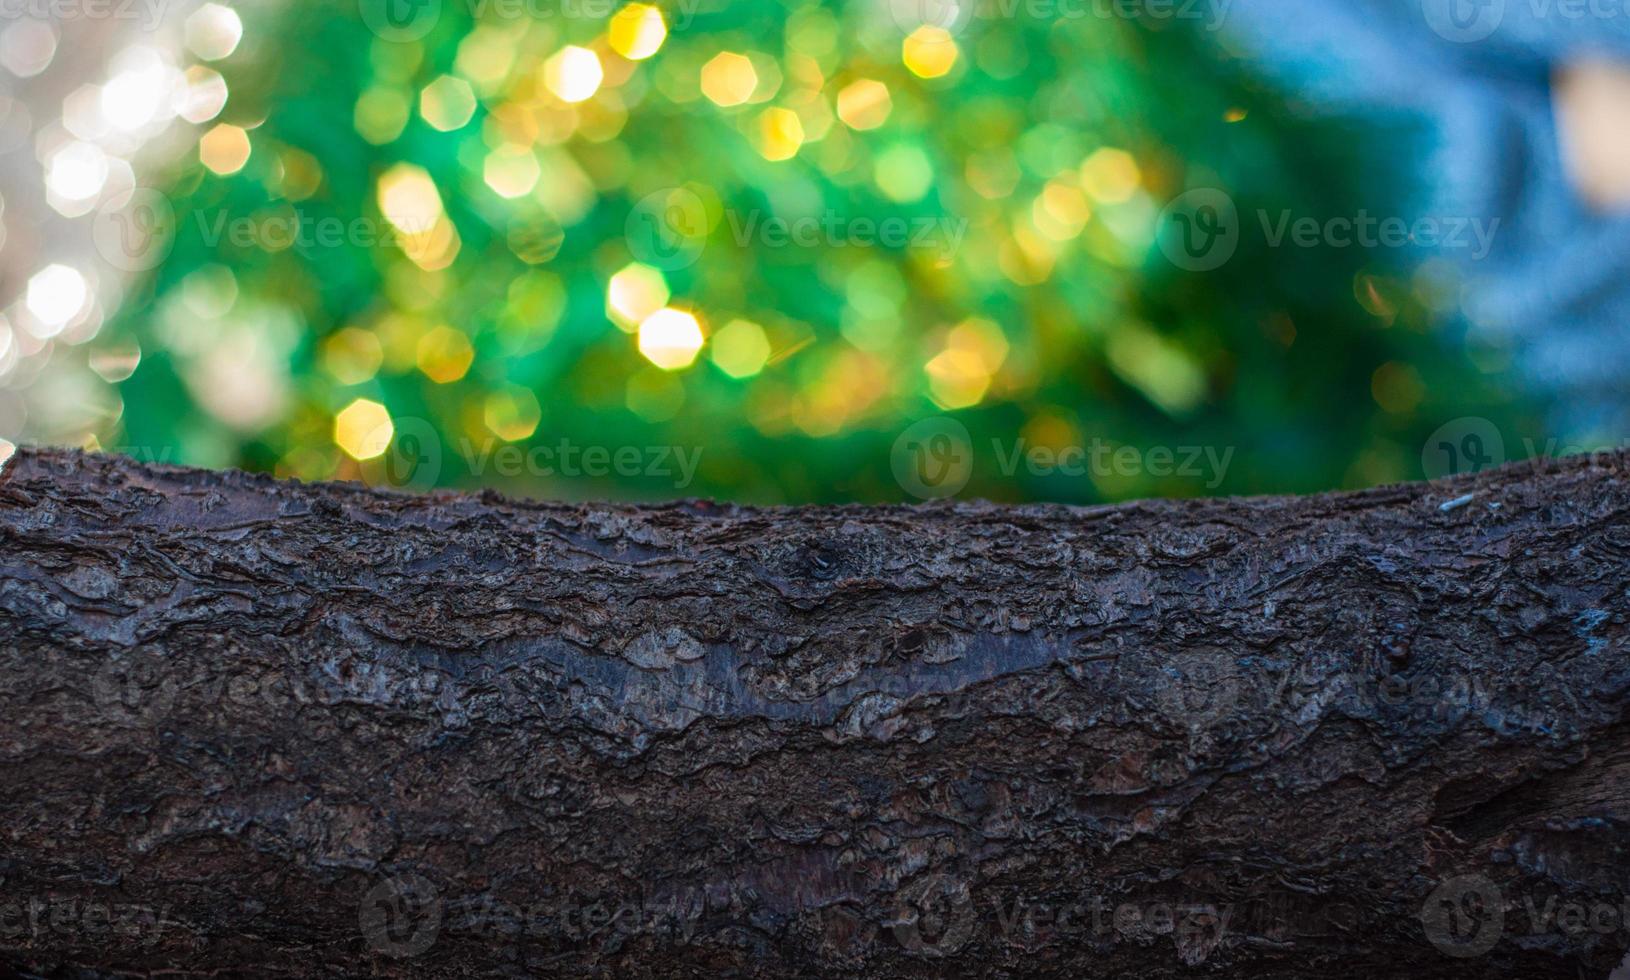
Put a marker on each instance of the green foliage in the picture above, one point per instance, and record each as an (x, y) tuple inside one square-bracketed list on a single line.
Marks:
[(1312, 368)]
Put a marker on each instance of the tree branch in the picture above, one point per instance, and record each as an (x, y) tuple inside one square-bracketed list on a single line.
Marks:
[(251, 725)]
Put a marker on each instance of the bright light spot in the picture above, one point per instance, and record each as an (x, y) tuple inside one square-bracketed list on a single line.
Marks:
[(961, 374), (141, 93), (729, 79), (512, 413), (929, 52), (56, 295), (213, 31), (447, 103), (780, 134), (636, 292), (511, 171), (670, 339), (410, 202), (573, 74), (408, 198), (740, 349), (864, 104), (637, 31), (224, 149), (956, 379), (201, 96), (363, 429), (27, 47), (445, 355), (77, 172), (1110, 176)]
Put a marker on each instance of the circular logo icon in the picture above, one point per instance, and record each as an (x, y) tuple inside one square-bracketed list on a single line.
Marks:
[(1462, 447), (1198, 690), (401, 916), (135, 231), (400, 20), (134, 687), (1200, 230), (933, 459), (950, 16), (1464, 916), (1463, 21), (935, 917), (668, 229), (412, 461)]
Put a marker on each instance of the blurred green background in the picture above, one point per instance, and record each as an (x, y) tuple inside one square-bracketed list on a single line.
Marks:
[(416, 233)]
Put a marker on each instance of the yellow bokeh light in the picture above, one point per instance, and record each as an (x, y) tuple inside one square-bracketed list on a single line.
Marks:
[(781, 134), (447, 103), (864, 104), (512, 413), (408, 198), (511, 171), (982, 338), (671, 339), (573, 74), (635, 292), (929, 51), (741, 349), (1062, 211), (410, 202), (363, 429), (729, 79), (1110, 176), (637, 31), (957, 379), (445, 355), (224, 149)]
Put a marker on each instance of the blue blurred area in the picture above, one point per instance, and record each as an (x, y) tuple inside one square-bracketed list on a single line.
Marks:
[(1479, 74)]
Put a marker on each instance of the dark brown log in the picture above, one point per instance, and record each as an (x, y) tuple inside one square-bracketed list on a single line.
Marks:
[(256, 726)]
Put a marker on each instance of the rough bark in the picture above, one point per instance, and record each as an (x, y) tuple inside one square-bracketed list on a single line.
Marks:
[(252, 725)]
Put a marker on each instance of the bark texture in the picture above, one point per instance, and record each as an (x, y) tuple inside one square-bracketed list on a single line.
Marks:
[(256, 726)]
